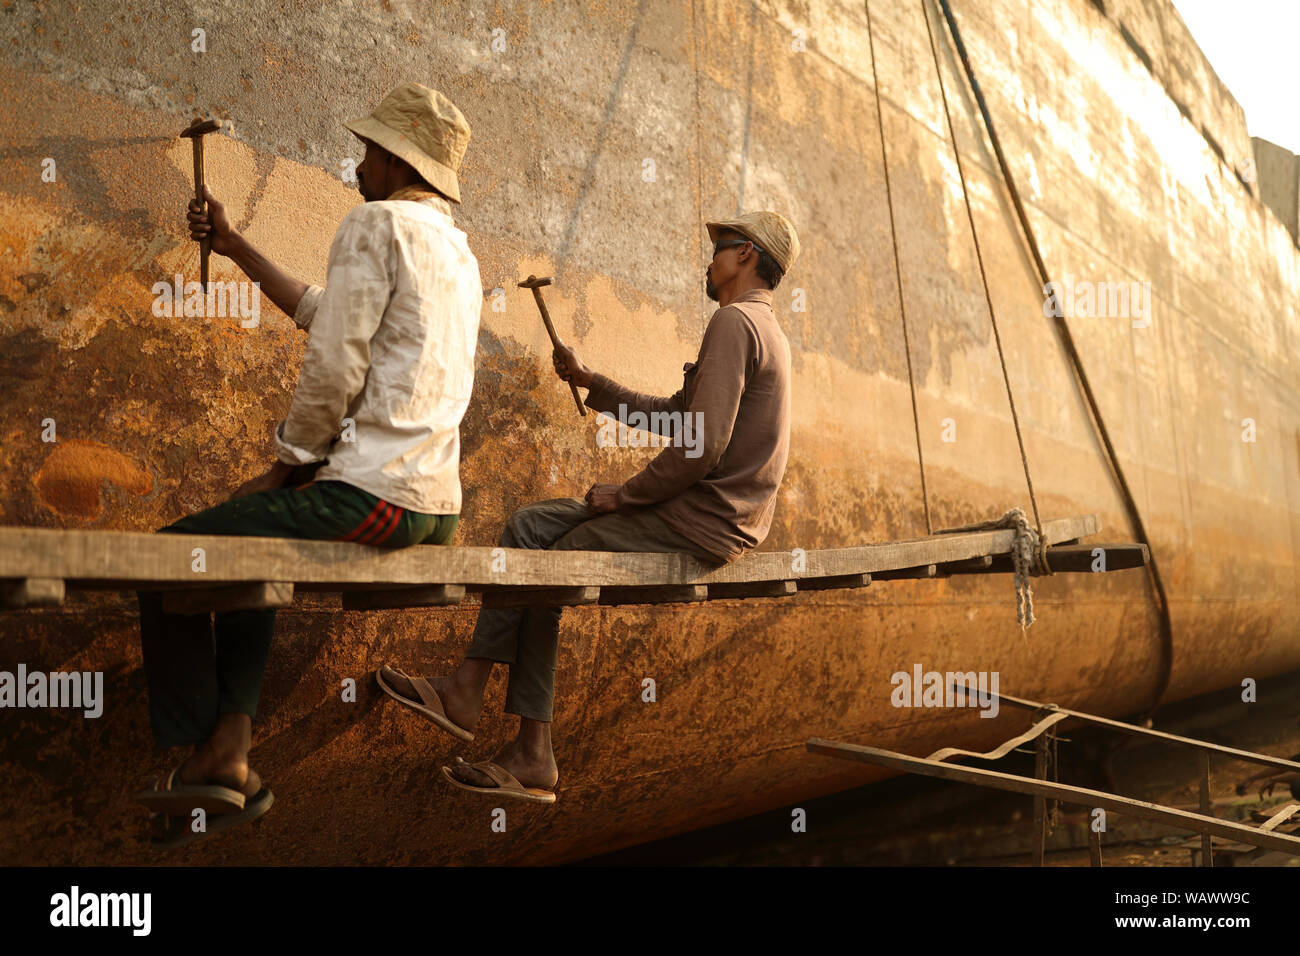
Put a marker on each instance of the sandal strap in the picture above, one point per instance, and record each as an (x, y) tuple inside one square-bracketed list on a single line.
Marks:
[(428, 696), (423, 689), (503, 778)]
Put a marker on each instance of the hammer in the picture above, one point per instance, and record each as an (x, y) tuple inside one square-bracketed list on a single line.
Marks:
[(195, 133), (534, 283)]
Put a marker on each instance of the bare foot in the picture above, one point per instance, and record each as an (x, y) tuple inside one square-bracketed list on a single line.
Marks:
[(161, 827), (462, 704), (536, 769), (205, 765)]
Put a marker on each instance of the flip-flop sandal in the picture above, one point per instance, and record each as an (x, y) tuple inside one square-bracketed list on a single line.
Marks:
[(179, 831), (507, 785), (174, 799), (429, 705)]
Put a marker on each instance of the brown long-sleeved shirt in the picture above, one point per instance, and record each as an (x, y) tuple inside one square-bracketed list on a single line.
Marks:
[(718, 486)]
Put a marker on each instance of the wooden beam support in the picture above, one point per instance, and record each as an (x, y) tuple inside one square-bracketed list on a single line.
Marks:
[(1081, 557), (924, 571), (31, 592), (672, 594), (541, 597), (998, 564), (977, 565), (253, 595), (754, 589), (1077, 558), (437, 595), (833, 582)]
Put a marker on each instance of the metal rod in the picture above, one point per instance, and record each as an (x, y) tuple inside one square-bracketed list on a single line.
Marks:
[(1078, 796), (1004, 748), (1203, 745), (1040, 802), (1207, 809)]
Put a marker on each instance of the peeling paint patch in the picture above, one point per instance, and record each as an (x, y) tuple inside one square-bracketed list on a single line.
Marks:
[(70, 480)]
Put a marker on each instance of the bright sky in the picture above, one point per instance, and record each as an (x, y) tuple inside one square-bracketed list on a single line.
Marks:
[(1252, 46)]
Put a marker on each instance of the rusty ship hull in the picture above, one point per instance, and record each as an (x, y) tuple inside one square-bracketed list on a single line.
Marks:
[(604, 136)]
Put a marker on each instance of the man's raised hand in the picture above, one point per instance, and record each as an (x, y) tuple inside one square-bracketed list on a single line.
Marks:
[(214, 224), (570, 368)]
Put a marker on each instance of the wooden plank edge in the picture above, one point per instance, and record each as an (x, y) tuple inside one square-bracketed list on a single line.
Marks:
[(251, 596), (18, 593), (541, 597), (833, 582), (903, 574), (438, 595), (669, 594), (751, 589)]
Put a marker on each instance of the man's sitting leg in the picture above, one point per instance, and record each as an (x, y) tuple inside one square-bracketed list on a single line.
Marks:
[(527, 639), (460, 696), (204, 685)]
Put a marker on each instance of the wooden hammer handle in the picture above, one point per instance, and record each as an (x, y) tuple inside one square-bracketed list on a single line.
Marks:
[(556, 343), (205, 244)]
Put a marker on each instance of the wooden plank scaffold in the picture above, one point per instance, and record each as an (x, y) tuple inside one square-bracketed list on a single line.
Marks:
[(197, 573)]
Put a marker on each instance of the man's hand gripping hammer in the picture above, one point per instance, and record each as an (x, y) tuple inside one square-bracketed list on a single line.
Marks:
[(195, 133), (534, 283)]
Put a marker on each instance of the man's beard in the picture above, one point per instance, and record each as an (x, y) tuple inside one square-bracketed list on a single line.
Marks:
[(710, 289)]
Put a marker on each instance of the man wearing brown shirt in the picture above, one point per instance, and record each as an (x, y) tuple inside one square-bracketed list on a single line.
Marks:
[(710, 493)]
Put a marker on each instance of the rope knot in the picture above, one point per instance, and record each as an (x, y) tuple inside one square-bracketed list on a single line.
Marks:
[(1025, 557), (1028, 557)]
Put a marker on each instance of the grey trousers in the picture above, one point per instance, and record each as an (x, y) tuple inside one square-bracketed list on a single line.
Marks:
[(528, 638)]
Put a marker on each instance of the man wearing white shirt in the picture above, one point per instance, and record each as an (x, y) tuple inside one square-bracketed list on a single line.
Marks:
[(384, 383)]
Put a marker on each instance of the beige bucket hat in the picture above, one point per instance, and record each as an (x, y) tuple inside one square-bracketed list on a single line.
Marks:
[(424, 128), (771, 231)]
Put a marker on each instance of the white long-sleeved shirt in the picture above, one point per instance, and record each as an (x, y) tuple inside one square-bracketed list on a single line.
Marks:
[(392, 343)]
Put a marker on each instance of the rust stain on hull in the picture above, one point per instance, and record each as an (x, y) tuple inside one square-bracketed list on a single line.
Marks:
[(70, 479)]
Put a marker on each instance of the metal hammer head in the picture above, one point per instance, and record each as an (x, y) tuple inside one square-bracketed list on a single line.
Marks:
[(532, 282), (200, 127)]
